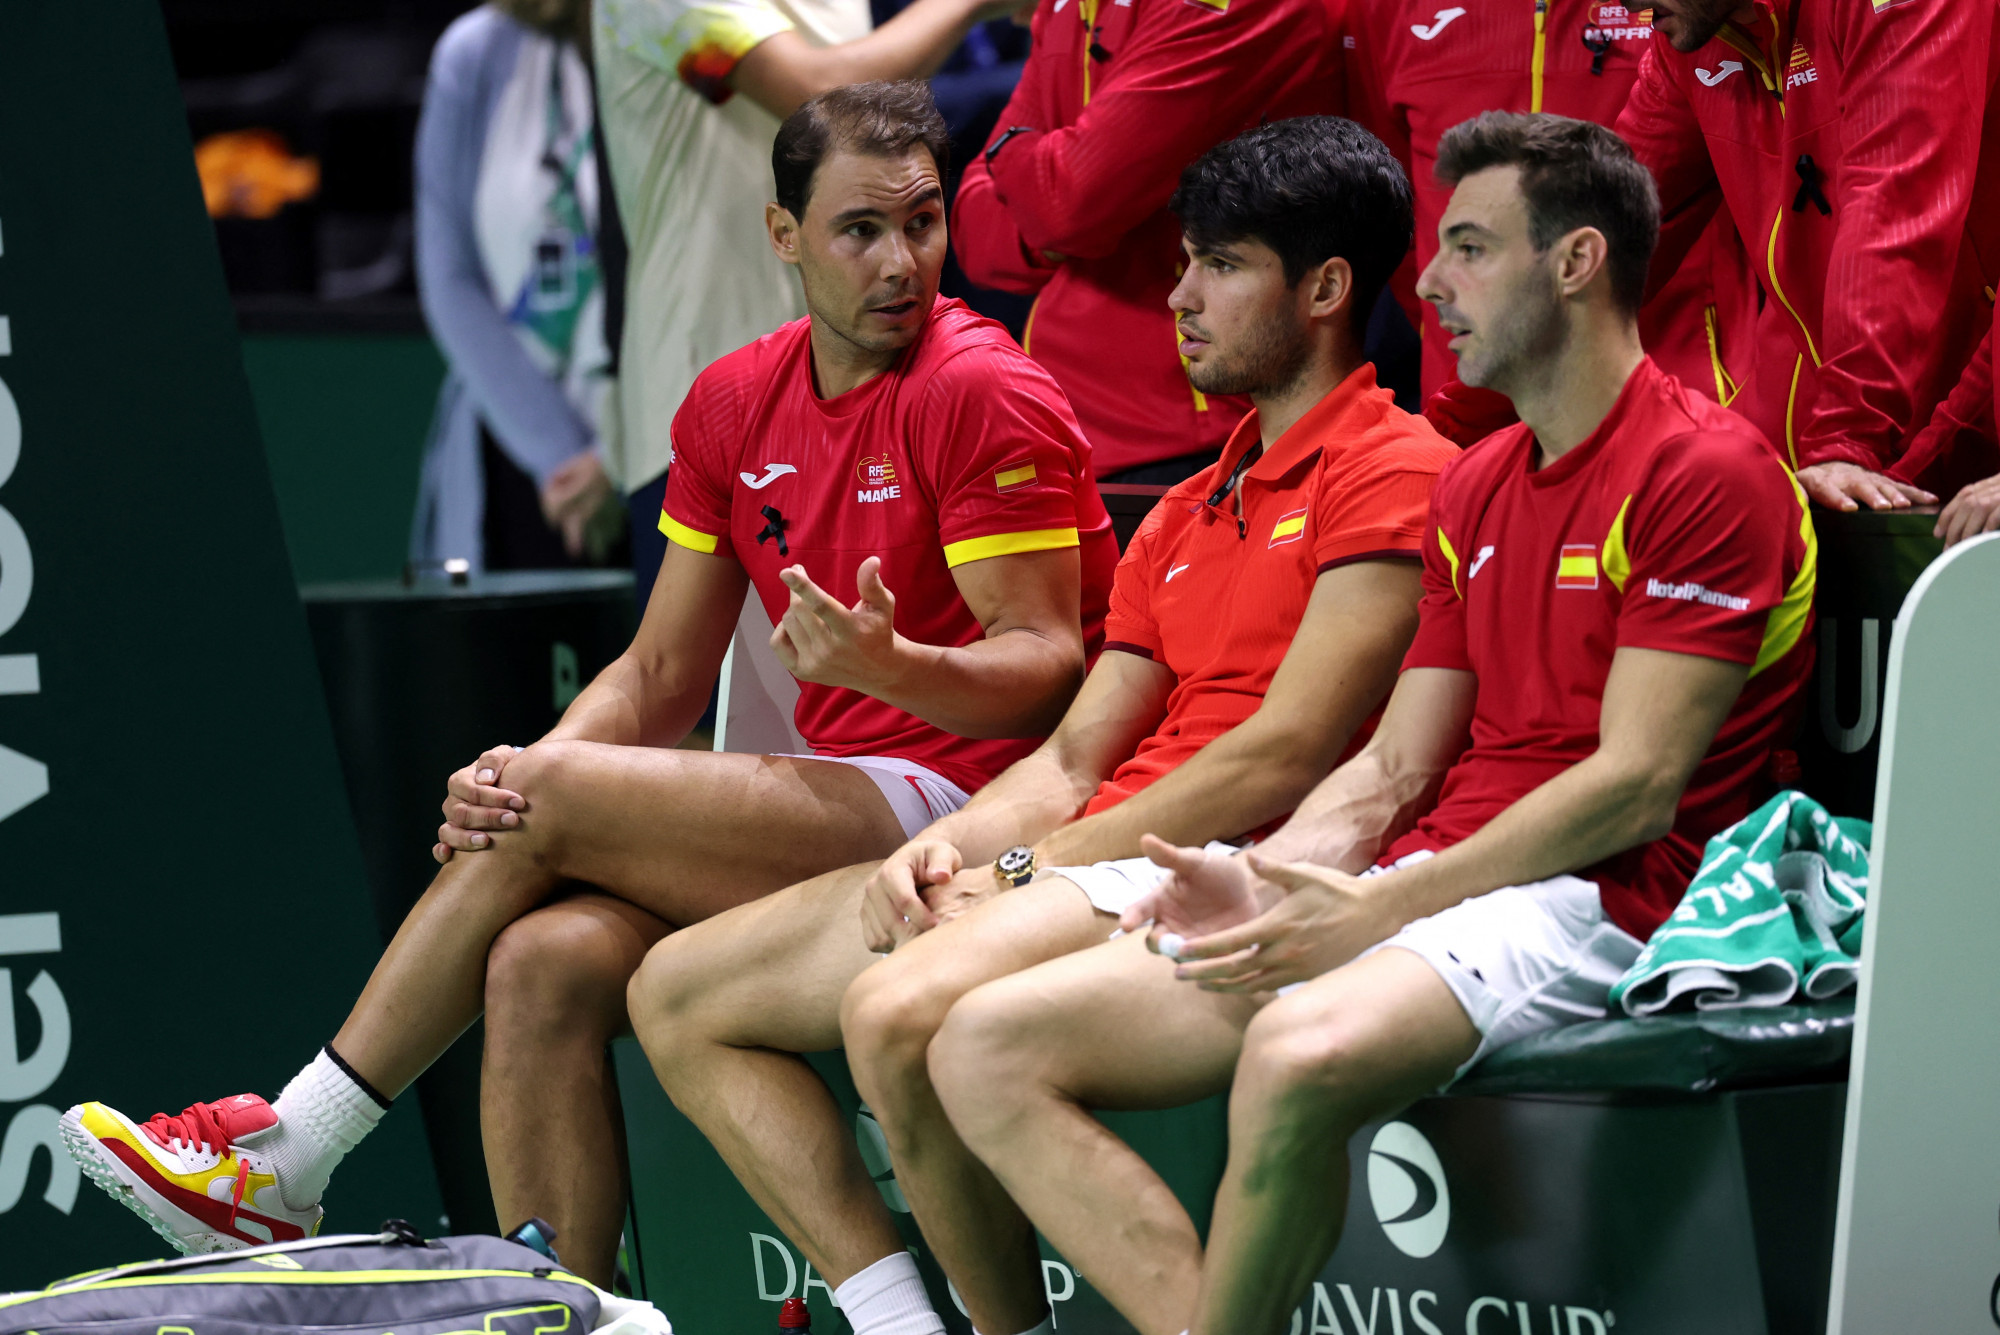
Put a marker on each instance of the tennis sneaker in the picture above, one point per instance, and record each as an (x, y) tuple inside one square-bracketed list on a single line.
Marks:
[(198, 1178)]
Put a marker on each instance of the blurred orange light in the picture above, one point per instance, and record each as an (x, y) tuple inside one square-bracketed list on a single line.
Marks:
[(252, 174)]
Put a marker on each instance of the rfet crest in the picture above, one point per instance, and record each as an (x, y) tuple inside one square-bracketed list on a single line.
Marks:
[(875, 472)]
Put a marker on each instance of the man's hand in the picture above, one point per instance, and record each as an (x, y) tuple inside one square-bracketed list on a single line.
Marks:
[(892, 903), (573, 496), (971, 887), (1205, 893), (1842, 486), (474, 802), (1974, 511), (1325, 919), (818, 640)]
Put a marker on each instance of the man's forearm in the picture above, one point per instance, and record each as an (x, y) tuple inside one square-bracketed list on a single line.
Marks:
[(1011, 685), (1589, 812), (1358, 811), (1035, 796), (1251, 774), (628, 705)]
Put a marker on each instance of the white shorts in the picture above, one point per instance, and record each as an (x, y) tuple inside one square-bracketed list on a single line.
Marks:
[(1112, 887), (917, 795), (1522, 959)]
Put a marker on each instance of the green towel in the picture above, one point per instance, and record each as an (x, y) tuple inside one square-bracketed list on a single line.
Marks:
[(1774, 911)]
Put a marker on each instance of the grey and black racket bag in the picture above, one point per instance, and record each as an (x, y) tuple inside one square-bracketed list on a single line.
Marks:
[(363, 1283)]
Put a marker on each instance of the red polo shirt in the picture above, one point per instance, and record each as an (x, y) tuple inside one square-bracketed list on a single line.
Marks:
[(1217, 596)]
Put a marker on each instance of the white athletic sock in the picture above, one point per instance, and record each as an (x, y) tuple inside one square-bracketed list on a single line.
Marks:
[(322, 1114), (888, 1298)]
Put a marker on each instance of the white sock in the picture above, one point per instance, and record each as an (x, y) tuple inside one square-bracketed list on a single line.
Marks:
[(888, 1298), (322, 1114)]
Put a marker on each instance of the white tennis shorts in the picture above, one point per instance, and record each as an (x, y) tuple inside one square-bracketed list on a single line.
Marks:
[(917, 795), (1115, 886), (1522, 959)]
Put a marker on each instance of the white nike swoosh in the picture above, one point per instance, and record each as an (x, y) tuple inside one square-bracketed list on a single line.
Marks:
[(1172, 571), (1485, 555), (1443, 21), (772, 472), (1723, 71)]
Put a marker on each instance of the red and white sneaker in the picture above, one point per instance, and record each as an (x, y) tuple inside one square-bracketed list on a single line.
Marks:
[(198, 1178)]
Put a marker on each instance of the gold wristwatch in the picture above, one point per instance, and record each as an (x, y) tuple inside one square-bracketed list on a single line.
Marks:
[(1016, 867)]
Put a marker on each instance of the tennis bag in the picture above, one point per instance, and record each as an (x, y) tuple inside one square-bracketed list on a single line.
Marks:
[(367, 1284)]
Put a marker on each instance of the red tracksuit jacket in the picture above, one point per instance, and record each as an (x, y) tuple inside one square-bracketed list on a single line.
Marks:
[(1118, 97), (1961, 444), (1415, 68), (1845, 137)]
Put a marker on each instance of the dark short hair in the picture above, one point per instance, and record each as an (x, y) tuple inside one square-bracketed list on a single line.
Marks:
[(885, 120), (1310, 188), (1573, 174)]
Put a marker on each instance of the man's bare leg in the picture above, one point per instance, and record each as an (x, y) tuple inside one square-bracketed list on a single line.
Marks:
[(1018, 1063), (1317, 1065), (722, 1009), (549, 1110), (889, 1018), (681, 834)]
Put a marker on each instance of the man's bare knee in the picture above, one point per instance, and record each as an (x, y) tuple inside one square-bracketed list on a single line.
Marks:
[(552, 777), (982, 1061), (889, 1016), (1304, 1063), (667, 995), (546, 977)]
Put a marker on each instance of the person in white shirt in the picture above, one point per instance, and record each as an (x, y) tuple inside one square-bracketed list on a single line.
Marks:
[(690, 94)]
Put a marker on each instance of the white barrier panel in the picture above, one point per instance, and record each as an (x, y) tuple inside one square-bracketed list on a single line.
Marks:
[(753, 711), (1916, 1247)]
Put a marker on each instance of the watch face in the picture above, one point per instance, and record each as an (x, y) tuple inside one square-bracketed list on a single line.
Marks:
[(1015, 861)]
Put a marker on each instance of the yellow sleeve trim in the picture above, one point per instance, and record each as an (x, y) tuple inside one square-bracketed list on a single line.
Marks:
[(1617, 564), (691, 538), (1008, 544), (1444, 545), (1788, 619)]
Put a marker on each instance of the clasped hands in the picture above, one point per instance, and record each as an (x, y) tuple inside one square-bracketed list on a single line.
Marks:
[(1248, 924)]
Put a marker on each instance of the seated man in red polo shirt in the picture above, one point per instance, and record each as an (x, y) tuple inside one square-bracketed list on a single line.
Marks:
[(1617, 600), (910, 499), (1256, 623)]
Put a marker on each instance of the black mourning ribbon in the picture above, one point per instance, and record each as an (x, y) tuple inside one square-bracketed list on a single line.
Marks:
[(1809, 187), (1599, 49), (1097, 51), (774, 527)]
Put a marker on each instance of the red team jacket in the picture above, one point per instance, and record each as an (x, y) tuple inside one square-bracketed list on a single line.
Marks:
[(1118, 97), (1836, 131), (1415, 68)]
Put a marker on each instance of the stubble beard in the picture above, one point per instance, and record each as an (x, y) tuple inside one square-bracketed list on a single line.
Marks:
[(1272, 361), (1524, 341)]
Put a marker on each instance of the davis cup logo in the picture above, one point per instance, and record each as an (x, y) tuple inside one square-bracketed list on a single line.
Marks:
[(1406, 1187)]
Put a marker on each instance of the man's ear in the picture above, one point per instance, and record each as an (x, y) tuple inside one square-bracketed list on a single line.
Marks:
[(1330, 288), (1580, 258), (784, 232)]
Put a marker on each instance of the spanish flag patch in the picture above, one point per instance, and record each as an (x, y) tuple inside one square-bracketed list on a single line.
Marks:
[(1577, 567), (1015, 475), (1289, 528)]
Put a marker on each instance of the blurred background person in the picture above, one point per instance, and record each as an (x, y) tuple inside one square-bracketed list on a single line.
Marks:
[(509, 209), (1415, 68), (1068, 202), (691, 162)]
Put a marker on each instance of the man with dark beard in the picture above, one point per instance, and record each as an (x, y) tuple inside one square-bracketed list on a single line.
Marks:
[(1257, 622), (1617, 594)]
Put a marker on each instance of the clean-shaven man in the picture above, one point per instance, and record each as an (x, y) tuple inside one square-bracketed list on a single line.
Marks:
[(1617, 594), (1258, 618)]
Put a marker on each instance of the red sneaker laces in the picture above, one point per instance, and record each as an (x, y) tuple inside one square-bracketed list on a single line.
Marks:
[(199, 1124)]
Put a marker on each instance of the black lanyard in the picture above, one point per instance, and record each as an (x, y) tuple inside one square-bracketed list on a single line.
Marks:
[(1250, 456)]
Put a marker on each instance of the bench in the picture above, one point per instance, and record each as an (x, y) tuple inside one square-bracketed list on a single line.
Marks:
[(1664, 1174)]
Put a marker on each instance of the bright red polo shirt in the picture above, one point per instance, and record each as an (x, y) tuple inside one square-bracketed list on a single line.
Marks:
[(1217, 599)]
